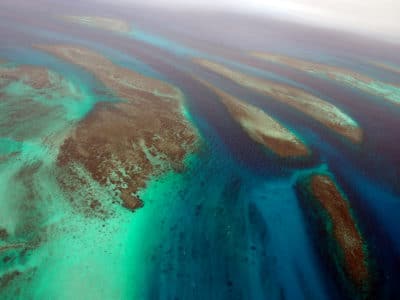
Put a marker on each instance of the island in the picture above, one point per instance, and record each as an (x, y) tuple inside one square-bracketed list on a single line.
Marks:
[(347, 77), (123, 144), (261, 127), (316, 108), (337, 235), (110, 24)]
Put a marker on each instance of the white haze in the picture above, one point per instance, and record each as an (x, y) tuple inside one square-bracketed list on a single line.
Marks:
[(371, 17)]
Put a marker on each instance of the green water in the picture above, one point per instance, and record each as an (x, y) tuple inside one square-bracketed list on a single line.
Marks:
[(33, 210)]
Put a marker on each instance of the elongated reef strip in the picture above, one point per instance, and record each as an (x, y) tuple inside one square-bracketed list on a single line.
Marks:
[(110, 24), (347, 77), (394, 69), (261, 127), (7, 247), (330, 211), (316, 108), (122, 144)]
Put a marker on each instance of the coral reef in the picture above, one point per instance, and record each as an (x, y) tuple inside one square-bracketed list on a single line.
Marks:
[(123, 144), (350, 78), (316, 108), (339, 238), (261, 127)]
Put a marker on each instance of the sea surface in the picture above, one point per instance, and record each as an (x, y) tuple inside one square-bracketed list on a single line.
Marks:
[(230, 225)]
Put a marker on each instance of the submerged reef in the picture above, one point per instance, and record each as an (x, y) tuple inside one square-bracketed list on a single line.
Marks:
[(316, 108), (123, 144), (8, 277), (3, 233), (261, 127), (32, 97), (337, 235), (350, 78), (100, 22), (12, 252), (35, 77), (394, 69)]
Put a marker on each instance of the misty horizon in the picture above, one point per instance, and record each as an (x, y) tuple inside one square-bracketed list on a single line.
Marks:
[(379, 18)]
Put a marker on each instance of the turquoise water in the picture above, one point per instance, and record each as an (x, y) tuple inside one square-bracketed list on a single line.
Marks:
[(228, 227), (163, 43)]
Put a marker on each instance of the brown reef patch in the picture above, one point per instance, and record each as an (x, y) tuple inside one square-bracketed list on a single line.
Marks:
[(342, 241), (33, 98), (8, 277), (7, 247), (344, 227), (36, 77), (123, 144), (308, 66), (316, 108), (261, 127), (385, 67), (345, 76), (101, 22), (3, 234)]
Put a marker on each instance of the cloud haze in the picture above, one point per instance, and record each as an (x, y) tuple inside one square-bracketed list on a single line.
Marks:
[(377, 17)]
